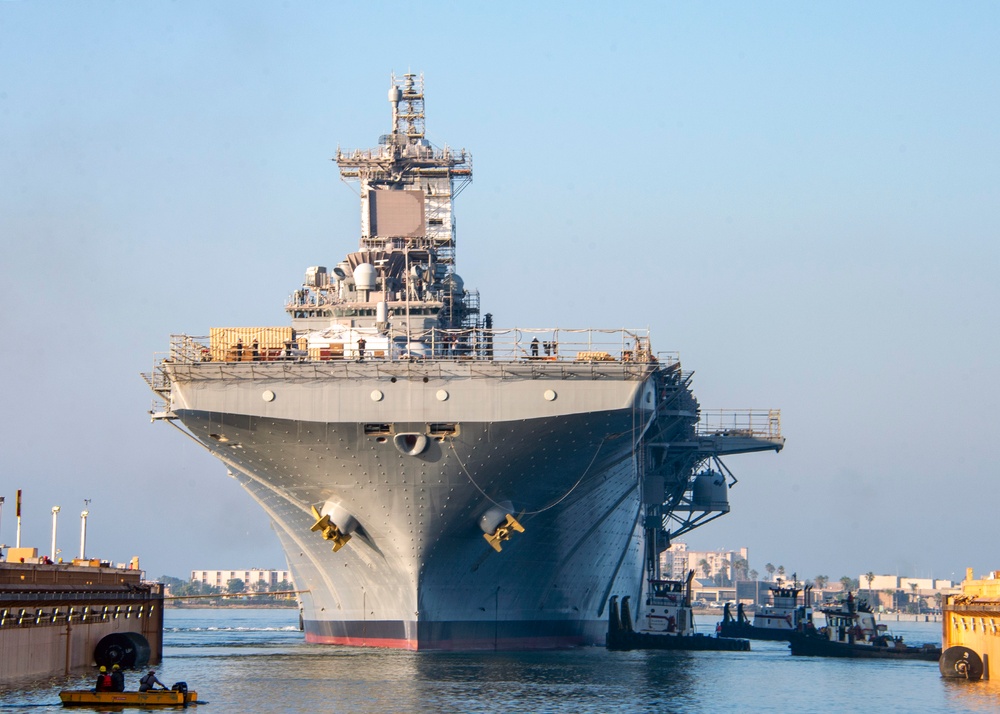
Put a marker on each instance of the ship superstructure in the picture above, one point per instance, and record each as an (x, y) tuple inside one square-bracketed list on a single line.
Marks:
[(438, 482)]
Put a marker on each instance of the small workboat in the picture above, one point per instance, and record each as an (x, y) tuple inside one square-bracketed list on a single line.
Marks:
[(665, 622), (776, 621), (178, 696), (851, 631)]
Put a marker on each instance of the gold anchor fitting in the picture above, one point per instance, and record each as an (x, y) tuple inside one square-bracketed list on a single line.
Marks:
[(503, 532), (329, 530)]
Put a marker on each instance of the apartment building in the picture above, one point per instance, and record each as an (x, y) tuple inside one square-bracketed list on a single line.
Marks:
[(251, 576)]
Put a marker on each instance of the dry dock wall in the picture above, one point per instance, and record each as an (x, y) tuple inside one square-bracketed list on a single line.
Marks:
[(53, 616), (972, 619)]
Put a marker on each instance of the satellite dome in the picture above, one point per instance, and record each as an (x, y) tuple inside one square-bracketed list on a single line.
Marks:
[(456, 282), (364, 277), (710, 491)]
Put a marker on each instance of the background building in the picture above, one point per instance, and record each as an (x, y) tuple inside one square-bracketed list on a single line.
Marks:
[(722, 567), (900, 593), (220, 578)]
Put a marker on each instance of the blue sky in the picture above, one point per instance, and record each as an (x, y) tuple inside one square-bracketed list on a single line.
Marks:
[(800, 198)]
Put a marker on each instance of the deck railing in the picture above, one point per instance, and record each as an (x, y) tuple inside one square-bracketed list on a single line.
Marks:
[(495, 345), (757, 423)]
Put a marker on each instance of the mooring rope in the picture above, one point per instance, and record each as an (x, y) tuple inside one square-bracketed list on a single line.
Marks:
[(451, 442)]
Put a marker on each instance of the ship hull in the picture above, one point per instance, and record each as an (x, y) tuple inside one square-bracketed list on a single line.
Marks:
[(814, 646), (417, 573), (458, 635), (753, 632)]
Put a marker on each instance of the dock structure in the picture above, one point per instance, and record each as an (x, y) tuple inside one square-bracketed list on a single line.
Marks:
[(53, 616), (970, 639)]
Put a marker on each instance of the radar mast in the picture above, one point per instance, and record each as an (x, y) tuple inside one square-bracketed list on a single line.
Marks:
[(407, 185)]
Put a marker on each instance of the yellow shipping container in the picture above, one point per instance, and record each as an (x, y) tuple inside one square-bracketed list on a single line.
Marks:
[(236, 344)]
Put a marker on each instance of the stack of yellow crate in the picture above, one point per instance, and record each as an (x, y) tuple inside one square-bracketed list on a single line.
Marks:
[(235, 344)]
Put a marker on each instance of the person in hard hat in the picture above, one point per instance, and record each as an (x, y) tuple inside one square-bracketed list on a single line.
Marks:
[(117, 679), (103, 680), (149, 681)]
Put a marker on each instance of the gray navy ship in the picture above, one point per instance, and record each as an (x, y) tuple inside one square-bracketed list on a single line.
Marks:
[(439, 482)]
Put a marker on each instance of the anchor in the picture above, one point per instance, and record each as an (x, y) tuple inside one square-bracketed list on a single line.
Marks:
[(503, 532), (329, 530)]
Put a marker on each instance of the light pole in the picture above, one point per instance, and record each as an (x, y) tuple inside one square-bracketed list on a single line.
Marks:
[(83, 531), (55, 514)]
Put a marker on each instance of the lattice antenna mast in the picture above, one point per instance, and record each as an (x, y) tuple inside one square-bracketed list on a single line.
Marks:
[(408, 119), (407, 185)]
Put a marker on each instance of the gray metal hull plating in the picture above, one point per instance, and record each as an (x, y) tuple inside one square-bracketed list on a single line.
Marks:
[(418, 573)]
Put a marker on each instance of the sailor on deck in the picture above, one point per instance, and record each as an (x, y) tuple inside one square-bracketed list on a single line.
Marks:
[(149, 681), (117, 679), (103, 680)]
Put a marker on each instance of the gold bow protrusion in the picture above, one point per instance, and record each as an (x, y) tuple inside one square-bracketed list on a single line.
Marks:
[(329, 530), (503, 532)]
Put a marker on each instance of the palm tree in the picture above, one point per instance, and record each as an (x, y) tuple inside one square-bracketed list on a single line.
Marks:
[(914, 600), (845, 582), (740, 569), (781, 571), (870, 576), (754, 574), (770, 571), (705, 567), (821, 581)]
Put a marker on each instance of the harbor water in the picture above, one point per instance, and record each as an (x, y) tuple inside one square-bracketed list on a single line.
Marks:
[(255, 660)]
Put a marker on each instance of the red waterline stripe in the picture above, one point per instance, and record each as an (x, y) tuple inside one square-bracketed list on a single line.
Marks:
[(389, 642)]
